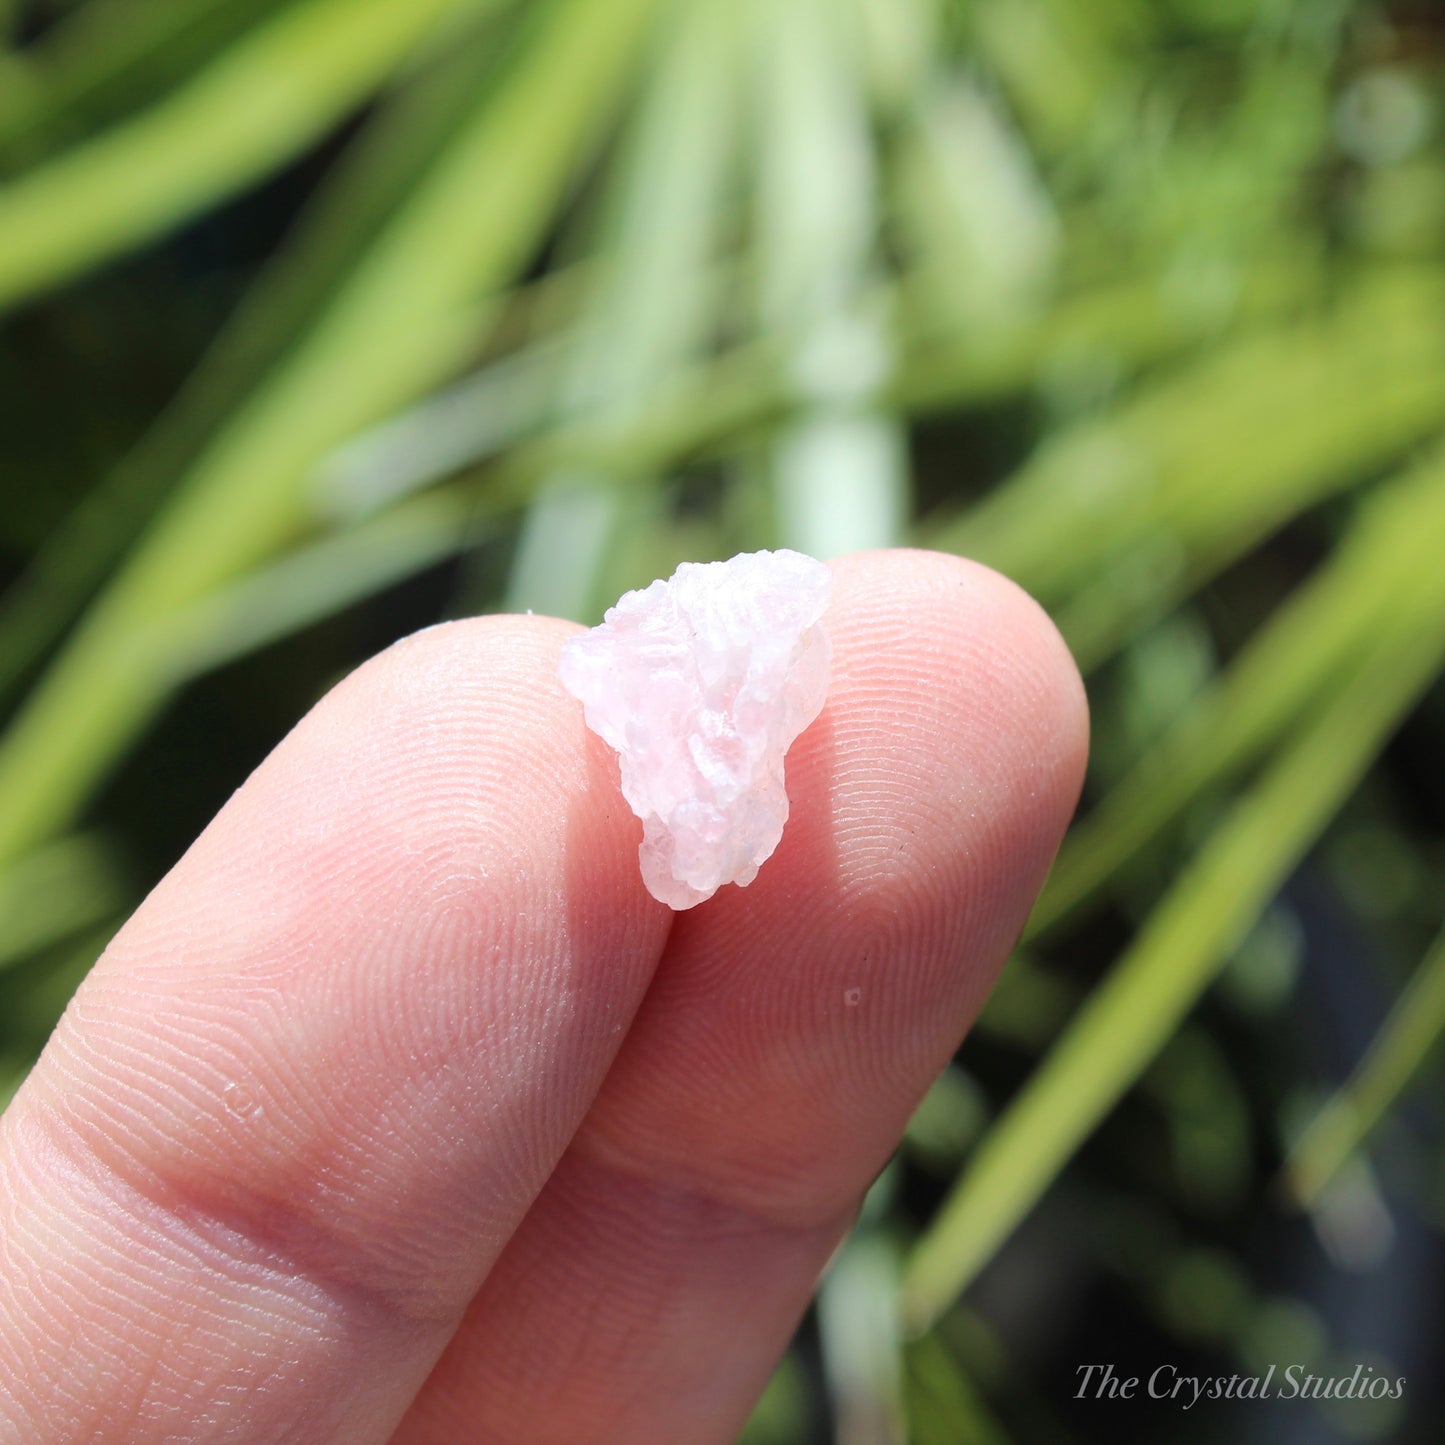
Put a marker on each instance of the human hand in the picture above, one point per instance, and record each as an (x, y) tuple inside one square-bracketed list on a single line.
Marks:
[(400, 1111)]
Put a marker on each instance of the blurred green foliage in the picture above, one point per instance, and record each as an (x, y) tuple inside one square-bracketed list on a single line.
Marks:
[(324, 313)]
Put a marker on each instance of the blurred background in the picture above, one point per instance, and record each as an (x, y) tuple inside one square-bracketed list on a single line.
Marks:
[(327, 319)]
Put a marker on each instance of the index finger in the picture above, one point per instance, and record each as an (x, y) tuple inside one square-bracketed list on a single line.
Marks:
[(295, 1111)]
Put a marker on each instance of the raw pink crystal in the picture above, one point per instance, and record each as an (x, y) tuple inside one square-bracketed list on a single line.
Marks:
[(701, 683)]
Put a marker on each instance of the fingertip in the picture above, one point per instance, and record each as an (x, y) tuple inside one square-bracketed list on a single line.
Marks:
[(954, 688), (972, 623)]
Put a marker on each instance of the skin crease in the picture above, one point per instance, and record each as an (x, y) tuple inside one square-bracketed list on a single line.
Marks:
[(399, 1110)]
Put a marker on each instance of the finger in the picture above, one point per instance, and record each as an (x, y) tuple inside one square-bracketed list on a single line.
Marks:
[(790, 1030), (293, 1114)]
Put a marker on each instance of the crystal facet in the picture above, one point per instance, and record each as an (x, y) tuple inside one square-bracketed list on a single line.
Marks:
[(701, 683)]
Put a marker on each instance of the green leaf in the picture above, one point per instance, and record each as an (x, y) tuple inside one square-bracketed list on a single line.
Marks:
[(1054, 66), (275, 92), (1176, 954), (399, 326), (366, 186), (1211, 458), (652, 306), (983, 225), (782, 1413), (1395, 1055), (858, 1331), (311, 583), (1330, 620), (840, 469), (463, 425), (724, 406), (59, 890), (1116, 324), (945, 1406), (105, 54)]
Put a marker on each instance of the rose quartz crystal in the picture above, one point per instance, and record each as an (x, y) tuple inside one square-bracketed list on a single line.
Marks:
[(701, 683)]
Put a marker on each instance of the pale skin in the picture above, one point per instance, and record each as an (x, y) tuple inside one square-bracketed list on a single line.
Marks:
[(401, 1111)]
